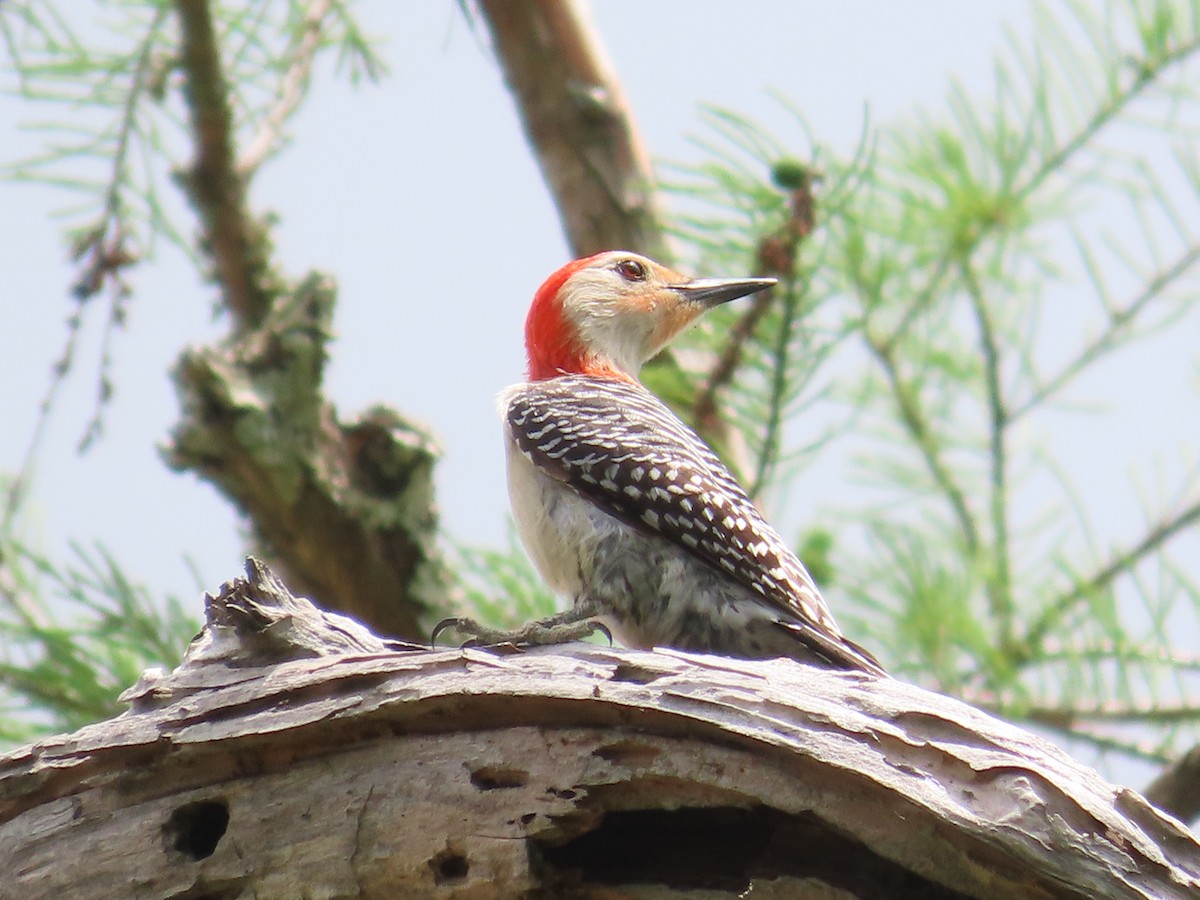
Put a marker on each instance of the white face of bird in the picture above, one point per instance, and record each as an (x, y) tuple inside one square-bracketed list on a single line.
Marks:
[(626, 307)]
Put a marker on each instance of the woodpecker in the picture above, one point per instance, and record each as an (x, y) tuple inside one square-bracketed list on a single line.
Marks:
[(623, 508)]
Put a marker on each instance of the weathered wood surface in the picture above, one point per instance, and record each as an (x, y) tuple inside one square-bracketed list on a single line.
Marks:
[(295, 754)]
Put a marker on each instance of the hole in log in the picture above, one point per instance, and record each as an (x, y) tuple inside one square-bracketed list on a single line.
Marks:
[(628, 753), (724, 849), (449, 866), (490, 778), (634, 674), (195, 829)]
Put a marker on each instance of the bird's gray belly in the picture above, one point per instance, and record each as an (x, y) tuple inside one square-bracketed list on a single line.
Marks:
[(651, 592), (657, 594)]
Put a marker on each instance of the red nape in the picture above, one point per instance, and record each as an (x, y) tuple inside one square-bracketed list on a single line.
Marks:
[(551, 344)]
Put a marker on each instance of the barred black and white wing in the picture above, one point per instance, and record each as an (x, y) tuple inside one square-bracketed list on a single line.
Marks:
[(619, 446)]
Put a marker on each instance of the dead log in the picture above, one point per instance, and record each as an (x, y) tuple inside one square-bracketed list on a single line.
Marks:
[(294, 753)]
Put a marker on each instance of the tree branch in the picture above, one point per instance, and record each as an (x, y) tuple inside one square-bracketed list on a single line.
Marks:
[(291, 91), (921, 432), (777, 255), (103, 250), (705, 411), (345, 507), (999, 581), (1061, 651), (1117, 566), (777, 389), (1067, 717), (1118, 322), (216, 188), (579, 124)]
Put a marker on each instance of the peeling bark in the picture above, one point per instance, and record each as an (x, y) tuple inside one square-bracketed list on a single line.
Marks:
[(294, 753)]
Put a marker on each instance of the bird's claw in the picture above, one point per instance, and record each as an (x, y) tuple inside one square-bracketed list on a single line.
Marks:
[(460, 624), (602, 628)]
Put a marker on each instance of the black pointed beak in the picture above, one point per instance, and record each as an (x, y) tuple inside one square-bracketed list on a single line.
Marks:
[(714, 291)]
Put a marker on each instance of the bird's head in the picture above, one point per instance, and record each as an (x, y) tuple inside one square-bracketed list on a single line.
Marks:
[(607, 314)]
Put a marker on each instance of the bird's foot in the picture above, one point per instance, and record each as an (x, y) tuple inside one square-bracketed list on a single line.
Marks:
[(533, 634)]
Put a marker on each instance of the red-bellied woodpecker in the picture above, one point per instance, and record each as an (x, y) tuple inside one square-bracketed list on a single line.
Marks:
[(621, 506)]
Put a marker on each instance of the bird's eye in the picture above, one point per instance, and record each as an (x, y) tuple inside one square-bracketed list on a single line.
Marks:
[(631, 270)]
